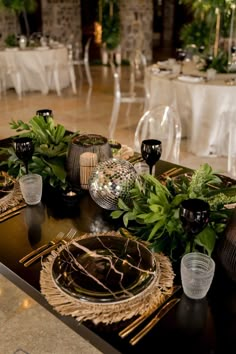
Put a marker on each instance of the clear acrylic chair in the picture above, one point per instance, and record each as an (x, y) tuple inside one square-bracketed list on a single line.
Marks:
[(121, 97), (138, 64), (9, 70), (162, 123), (60, 63), (231, 123), (81, 59)]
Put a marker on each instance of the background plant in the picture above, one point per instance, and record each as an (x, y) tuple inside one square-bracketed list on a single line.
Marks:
[(111, 35), (201, 28), (20, 7)]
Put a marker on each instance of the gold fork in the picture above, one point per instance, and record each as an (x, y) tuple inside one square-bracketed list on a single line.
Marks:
[(64, 240)]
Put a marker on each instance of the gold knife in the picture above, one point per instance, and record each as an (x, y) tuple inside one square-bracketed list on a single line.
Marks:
[(127, 330), (163, 311)]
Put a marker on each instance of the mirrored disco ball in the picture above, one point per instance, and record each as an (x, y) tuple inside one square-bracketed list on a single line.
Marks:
[(110, 180)]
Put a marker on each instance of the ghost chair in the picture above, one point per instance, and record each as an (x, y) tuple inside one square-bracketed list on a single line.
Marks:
[(80, 59), (161, 123), (120, 97)]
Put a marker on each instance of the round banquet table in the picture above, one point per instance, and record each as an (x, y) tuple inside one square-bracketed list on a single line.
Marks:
[(205, 107), (35, 66)]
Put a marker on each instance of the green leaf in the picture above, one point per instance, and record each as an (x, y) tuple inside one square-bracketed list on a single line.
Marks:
[(155, 230), (122, 205), (206, 239), (117, 214), (127, 217)]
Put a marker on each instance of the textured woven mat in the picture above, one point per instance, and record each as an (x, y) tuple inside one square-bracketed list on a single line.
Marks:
[(107, 313), (12, 199)]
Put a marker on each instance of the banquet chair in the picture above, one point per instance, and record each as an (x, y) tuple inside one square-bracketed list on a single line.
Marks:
[(10, 71), (162, 123), (231, 159), (138, 64), (53, 73), (77, 58), (121, 97)]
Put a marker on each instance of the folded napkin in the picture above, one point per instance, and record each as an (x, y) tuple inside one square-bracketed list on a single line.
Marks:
[(189, 78)]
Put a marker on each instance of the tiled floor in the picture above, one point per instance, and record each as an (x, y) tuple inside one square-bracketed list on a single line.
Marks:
[(22, 321)]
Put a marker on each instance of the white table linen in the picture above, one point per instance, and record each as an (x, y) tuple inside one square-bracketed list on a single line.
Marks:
[(34, 65), (204, 109)]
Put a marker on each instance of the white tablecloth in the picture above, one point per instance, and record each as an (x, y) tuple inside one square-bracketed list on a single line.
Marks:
[(204, 108), (35, 65)]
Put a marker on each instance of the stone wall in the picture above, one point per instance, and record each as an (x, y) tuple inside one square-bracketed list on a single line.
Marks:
[(136, 22), (61, 20), (8, 25), (168, 23)]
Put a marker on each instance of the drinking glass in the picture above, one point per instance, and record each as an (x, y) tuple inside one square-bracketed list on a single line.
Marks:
[(197, 272), (151, 150), (194, 215), (31, 186), (24, 149), (45, 113), (181, 55)]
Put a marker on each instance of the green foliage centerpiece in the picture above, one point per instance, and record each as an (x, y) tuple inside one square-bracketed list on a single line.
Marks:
[(152, 213), (51, 143)]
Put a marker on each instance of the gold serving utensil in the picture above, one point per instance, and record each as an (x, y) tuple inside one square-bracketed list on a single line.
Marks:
[(170, 172), (127, 330), (135, 159), (166, 173), (12, 210), (57, 239), (64, 240), (161, 313), (174, 172)]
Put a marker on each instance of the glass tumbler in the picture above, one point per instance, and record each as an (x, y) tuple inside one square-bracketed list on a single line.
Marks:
[(31, 186), (197, 272)]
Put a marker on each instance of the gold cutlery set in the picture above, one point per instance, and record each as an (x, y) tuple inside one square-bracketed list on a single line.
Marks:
[(166, 305), (45, 249)]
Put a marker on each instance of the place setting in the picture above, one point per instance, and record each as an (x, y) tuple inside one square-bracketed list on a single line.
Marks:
[(105, 278)]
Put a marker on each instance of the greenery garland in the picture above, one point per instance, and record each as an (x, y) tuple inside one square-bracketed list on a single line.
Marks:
[(152, 213), (51, 142)]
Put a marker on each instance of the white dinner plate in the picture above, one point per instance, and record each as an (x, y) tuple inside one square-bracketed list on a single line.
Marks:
[(189, 78)]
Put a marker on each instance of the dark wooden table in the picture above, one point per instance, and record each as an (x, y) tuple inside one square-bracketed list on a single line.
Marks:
[(203, 326)]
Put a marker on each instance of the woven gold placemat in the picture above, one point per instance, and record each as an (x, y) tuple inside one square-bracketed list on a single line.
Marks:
[(107, 313), (12, 199)]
